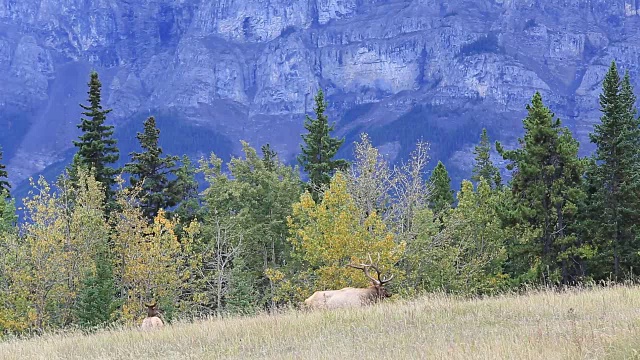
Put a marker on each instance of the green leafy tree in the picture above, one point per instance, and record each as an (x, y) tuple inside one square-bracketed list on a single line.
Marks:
[(4, 184), (150, 172), (319, 149), (255, 197), (547, 187), (441, 194), (614, 174), (96, 146), (484, 167), (477, 241)]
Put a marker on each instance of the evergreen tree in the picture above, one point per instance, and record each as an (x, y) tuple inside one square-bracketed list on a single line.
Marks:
[(441, 194), (8, 217), (616, 185), (319, 149), (546, 187), (150, 171), (97, 297), (269, 157), (483, 167), (4, 184), (184, 190), (96, 146)]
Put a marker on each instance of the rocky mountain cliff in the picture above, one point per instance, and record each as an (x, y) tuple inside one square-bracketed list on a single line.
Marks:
[(218, 71)]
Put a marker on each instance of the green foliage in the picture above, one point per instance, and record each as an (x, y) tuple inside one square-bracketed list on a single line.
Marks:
[(58, 243), (614, 205), (484, 167), (269, 157), (546, 185), (8, 217), (96, 146), (150, 171), (242, 295), (256, 197), (319, 149), (441, 198), (425, 258), (185, 190), (97, 297), (466, 253), (477, 240), (4, 184)]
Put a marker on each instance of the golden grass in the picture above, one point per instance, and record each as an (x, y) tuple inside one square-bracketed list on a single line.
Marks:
[(588, 324)]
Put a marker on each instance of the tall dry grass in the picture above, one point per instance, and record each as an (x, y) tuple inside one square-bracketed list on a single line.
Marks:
[(588, 324)]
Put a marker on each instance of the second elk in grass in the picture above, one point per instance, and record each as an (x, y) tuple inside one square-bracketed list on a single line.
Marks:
[(352, 297), (152, 321)]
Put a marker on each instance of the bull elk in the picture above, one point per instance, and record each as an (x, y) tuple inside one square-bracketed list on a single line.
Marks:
[(152, 321), (352, 297)]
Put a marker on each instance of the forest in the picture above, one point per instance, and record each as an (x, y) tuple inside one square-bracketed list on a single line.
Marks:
[(99, 242)]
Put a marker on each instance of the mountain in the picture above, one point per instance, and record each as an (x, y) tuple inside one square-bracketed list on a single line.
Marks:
[(217, 71)]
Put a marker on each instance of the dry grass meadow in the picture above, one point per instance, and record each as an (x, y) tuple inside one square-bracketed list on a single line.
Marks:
[(586, 324)]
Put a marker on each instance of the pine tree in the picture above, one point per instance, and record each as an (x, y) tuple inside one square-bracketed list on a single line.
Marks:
[(269, 157), (319, 149), (546, 187), (150, 171), (617, 163), (96, 146), (483, 167), (441, 195), (184, 190), (97, 297), (8, 217), (4, 184)]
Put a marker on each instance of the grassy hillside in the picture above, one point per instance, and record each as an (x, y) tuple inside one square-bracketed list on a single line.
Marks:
[(591, 324)]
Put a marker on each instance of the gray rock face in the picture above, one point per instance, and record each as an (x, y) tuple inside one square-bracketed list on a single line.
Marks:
[(249, 69)]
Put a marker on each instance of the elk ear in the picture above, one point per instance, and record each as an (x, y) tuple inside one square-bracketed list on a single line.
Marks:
[(150, 305)]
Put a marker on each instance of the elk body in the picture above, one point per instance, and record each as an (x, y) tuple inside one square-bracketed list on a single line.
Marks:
[(351, 297), (152, 321)]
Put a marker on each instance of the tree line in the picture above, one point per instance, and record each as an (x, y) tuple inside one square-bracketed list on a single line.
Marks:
[(94, 247)]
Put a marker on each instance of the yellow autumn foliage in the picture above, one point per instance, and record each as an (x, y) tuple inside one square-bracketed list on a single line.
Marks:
[(147, 258), (329, 235), (45, 267)]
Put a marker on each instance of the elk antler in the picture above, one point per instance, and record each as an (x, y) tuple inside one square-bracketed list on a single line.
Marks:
[(365, 268)]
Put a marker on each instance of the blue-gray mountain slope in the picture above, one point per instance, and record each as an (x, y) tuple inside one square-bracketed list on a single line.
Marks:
[(232, 70)]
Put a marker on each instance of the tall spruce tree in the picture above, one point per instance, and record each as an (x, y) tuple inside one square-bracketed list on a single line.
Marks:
[(184, 190), (483, 167), (269, 157), (97, 297), (615, 176), (441, 198), (150, 172), (96, 146), (546, 187), (4, 184), (319, 149)]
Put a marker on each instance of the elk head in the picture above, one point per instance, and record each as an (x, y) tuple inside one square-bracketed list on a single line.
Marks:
[(376, 283), (152, 309)]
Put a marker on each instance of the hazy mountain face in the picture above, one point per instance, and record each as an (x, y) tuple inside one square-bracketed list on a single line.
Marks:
[(218, 71)]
